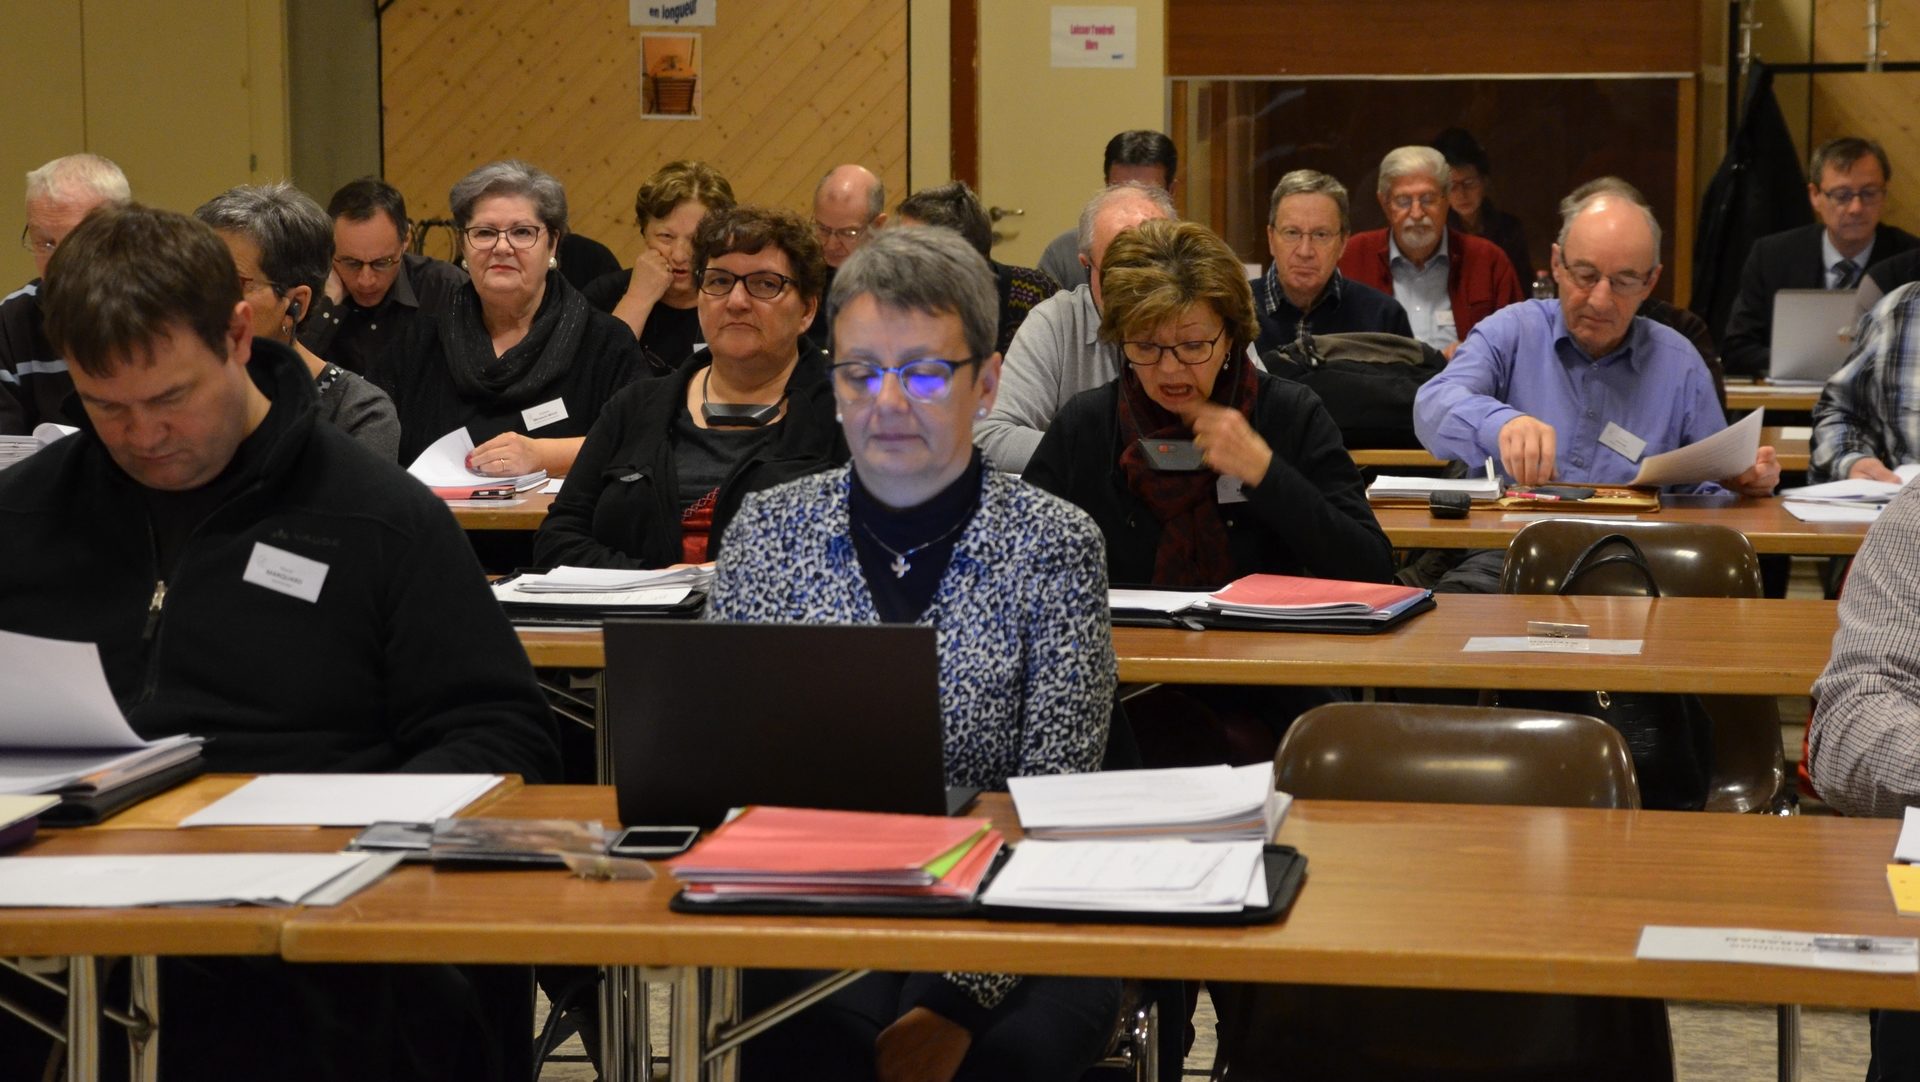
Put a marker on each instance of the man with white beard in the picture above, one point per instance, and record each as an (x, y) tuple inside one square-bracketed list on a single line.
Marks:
[(1445, 279)]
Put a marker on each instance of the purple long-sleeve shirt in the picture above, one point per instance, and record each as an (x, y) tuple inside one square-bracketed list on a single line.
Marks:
[(1520, 360)]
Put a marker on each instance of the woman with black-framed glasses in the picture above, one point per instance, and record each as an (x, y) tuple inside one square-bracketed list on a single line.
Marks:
[(666, 467), (517, 357)]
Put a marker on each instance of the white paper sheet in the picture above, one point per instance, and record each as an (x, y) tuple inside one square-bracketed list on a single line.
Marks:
[(1829, 512), (54, 694), (571, 580), (1483, 488), (1907, 849), (343, 800), (1112, 798), (1759, 946), (1796, 432), (1727, 453), (444, 465), (1167, 601), (1533, 644), (187, 879), (1542, 516), (649, 597), (1131, 876)]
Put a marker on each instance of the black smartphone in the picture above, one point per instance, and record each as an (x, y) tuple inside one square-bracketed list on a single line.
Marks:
[(1173, 456), (653, 841)]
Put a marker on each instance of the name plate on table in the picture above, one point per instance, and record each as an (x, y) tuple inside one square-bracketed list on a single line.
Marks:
[(1759, 946)]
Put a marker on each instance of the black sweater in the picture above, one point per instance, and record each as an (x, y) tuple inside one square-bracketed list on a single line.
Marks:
[(403, 662), (620, 506), (414, 373), (1309, 516)]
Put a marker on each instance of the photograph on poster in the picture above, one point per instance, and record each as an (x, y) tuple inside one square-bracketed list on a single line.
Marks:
[(670, 76)]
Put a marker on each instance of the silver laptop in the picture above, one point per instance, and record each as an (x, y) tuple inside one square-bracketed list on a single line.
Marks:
[(1812, 333)]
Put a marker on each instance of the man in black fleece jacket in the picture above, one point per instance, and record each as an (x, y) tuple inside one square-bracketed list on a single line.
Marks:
[(260, 579)]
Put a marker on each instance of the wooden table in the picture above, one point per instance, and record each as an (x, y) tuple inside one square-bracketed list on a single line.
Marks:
[(1397, 895), (1792, 452), (520, 513), (1744, 395), (1708, 645), (1765, 522)]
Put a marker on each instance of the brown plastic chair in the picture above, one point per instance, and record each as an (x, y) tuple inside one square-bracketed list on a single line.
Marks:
[(1687, 560), (1450, 755)]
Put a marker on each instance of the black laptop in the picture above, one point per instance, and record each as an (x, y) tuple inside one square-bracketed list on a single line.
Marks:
[(705, 717)]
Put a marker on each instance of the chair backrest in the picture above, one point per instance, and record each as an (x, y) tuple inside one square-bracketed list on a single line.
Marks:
[(1687, 559), (1455, 755)]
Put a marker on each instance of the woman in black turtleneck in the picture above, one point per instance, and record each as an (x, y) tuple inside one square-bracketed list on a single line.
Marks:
[(920, 530)]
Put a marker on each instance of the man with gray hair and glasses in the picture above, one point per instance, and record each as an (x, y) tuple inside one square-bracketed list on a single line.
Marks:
[(1057, 353), (34, 385), (849, 204), (1447, 280), (1303, 290)]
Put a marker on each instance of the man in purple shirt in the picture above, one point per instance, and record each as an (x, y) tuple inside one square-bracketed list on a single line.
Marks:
[(1578, 389)]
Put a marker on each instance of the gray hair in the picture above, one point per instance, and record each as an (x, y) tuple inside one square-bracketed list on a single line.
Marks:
[(1600, 188), (1311, 182), (876, 195), (511, 177), (1413, 161), (79, 176), (928, 269), (294, 235), (1132, 189)]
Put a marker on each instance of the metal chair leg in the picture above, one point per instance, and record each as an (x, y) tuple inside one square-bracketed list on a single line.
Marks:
[(1787, 1024), (83, 1019)]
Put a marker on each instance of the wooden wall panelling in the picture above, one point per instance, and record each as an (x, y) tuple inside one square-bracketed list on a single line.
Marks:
[(1877, 105), (1426, 37), (788, 91)]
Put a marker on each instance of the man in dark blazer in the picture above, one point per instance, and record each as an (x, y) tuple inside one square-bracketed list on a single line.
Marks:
[(1848, 193)]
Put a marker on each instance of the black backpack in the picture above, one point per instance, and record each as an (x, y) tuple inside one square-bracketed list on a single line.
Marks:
[(1367, 380)]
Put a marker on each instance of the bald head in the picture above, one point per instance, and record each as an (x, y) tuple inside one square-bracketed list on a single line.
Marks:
[(1111, 213), (848, 205), (1606, 262)]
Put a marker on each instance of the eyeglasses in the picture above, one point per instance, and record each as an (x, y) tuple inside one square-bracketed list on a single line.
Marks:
[(1868, 197), (1149, 354), (247, 281), (1465, 184), (1427, 201), (849, 234), (1291, 237), (519, 237), (763, 285), (1625, 283), (37, 247), (927, 379), (349, 265)]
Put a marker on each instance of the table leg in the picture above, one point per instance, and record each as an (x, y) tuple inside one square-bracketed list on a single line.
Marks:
[(684, 1041), (83, 1019), (143, 1002), (723, 1014), (1787, 1042)]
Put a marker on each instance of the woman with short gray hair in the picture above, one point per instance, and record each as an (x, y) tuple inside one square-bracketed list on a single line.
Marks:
[(518, 357), (282, 246)]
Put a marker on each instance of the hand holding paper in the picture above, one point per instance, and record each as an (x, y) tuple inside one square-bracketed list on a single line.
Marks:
[(1733, 455)]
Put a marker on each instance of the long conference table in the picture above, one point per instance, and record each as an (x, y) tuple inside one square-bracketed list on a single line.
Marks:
[(1398, 895), (1746, 646), (1765, 522), (1791, 448)]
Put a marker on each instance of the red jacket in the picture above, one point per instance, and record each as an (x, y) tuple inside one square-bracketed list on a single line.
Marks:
[(1480, 278)]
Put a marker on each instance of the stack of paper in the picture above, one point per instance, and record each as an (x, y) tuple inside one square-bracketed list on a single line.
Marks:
[(62, 732), (1280, 601), (575, 580), (1167, 876), (808, 855), (14, 449), (190, 879), (1200, 803), (343, 800), (514, 592), (1848, 500), (443, 468), (1485, 489)]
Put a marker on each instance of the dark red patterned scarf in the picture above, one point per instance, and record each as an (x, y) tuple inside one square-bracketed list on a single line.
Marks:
[(1193, 538)]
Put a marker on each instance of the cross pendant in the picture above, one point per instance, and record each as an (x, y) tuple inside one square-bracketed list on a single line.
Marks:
[(900, 567)]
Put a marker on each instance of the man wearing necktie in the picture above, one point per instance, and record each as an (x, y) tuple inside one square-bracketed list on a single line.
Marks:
[(1848, 191)]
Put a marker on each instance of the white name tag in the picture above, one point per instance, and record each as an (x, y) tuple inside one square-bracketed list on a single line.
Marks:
[(285, 572), (1229, 490), (1615, 438), (544, 414)]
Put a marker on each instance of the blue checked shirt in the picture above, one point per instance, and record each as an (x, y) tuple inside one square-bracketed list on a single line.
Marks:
[(1871, 406)]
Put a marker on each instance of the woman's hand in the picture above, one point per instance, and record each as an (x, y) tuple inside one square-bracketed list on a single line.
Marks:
[(507, 455), (920, 1046), (1229, 445), (652, 274)]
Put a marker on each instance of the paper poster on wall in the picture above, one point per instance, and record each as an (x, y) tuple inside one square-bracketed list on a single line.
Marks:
[(670, 12), (670, 76), (1090, 37)]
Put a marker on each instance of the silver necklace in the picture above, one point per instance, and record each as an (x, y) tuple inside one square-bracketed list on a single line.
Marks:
[(900, 566)]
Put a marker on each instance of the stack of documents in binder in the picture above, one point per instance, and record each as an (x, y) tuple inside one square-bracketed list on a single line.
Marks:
[(443, 468), (1482, 489), (275, 879), (575, 580), (572, 594), (1167, 876), (807, 855), (1851, 499), (1280, 601), (1198, 803), (62, 733), (14, 449)]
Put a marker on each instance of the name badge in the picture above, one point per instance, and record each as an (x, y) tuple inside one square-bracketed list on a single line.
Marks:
[(285, 572), (1229, 490), (1618, 439), (1443, 320), (544, 414)]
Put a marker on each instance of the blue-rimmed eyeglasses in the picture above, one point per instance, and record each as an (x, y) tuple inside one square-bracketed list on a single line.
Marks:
[(927, 379)]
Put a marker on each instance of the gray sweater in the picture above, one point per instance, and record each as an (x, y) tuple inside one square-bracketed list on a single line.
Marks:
[(359, 409)]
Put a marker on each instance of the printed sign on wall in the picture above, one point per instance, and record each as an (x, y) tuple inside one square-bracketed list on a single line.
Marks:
[(1090, 37), (670, 12)]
